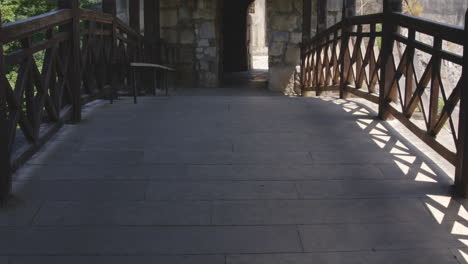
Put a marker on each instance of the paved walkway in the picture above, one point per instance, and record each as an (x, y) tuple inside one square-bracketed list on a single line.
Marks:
[(231, 180)]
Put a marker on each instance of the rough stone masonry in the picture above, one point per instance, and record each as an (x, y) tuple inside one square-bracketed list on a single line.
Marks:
[(194, 27)]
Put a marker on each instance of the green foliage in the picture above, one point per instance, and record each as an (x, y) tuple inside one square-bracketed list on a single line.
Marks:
[(378, 28), (14, 10)]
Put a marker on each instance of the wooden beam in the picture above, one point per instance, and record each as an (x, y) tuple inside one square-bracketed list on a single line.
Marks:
[(74, 62), (321, 26), (387, 72), (461, 173), (110, 7), (134, 11), (306, 19), (348, 11), (322, 11), (153, 28), (5, 164), (29, 26)]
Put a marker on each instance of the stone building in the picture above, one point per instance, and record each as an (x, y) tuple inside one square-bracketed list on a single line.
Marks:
[(211, 37)]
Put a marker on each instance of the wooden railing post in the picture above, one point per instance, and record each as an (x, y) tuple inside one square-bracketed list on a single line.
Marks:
[(135, 23), (389, 27), (134, 12), (5, 163), (306, 35), (349, 10), (322, 14), (110, 7), (152, 30), (74, 61), (461, 173)]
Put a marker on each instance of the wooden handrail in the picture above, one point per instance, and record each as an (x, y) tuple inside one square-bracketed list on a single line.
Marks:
[(98, 17), (22, 28), (82, 62), (370, 73), (127, 29), (151, 65), (323, 34), (440, 30), (365, 19)]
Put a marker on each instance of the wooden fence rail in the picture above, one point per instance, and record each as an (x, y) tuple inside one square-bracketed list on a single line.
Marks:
[(84, 55), (374, 57)]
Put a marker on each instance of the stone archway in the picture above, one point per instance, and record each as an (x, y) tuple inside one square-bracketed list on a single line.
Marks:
[(234, 35)]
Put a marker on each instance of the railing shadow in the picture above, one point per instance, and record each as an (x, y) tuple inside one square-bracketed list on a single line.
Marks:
[(417, 165)]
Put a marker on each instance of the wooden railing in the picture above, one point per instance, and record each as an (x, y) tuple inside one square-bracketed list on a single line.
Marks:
[(355, 56), (84, 55)]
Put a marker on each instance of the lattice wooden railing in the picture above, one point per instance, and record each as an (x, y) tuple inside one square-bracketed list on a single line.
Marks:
[(320, 61), (63, 59), (387, 67), (41, 94)]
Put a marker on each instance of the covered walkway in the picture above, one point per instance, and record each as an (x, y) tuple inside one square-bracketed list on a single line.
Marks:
[(252, 178)]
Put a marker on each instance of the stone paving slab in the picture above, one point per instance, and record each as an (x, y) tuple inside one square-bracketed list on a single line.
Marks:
[(19, 213), (65, 172), (221, 190), (182, 144), (364, 257), (301, 212), (282, 172), (352, 237), (296, 145), (188, 259), (417, 171), (354, 157), (461, 254), (124, 214), (89, 157), (369, 189), (149, 240), (234, 172), (196, 158), (80, 190), (248, 179)]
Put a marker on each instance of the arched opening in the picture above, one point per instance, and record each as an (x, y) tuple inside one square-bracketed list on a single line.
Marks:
[(257, 36), (243, 41), (234, 17)]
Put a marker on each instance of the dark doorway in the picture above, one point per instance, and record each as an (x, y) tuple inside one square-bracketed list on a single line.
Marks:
[(234, 17)]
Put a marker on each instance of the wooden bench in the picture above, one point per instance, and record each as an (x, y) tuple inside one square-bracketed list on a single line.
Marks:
[(164, 70)]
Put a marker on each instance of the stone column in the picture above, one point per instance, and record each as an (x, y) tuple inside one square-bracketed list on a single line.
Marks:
[(285, 34)]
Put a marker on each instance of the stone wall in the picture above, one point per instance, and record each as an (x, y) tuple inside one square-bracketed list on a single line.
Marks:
[(284, 20), (191, 26)]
